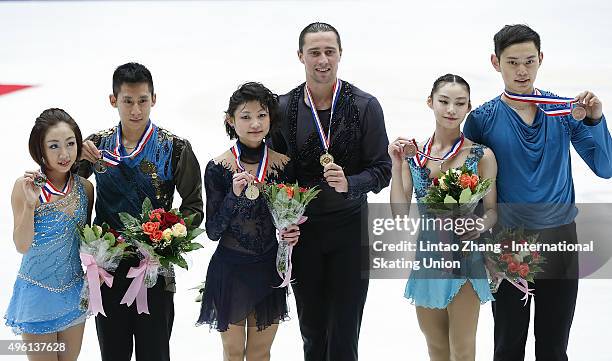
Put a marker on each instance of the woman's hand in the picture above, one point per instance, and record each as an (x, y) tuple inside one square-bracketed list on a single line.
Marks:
[(240, 181), (290, 234), (397, 150), (30, 190), (89, 152)]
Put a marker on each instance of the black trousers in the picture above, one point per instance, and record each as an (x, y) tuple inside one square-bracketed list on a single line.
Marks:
[(330, 288), (123, 325), (555, 300)]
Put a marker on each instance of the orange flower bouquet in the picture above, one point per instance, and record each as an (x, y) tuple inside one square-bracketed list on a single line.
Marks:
[(287, 204), (456, 192)]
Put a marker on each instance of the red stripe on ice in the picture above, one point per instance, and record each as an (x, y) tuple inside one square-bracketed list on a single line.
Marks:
[(9, 88)]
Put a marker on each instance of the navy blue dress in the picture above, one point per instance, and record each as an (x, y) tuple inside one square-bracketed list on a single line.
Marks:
[(241, 277)]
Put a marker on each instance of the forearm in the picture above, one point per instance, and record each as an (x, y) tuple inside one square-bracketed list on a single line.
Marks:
[(400, 205), (23, 231), (489, 219)]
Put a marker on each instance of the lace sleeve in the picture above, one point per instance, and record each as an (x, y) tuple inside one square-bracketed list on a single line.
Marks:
[(221, 203)]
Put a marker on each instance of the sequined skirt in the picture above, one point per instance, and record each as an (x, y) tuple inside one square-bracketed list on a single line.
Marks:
[(38, 310)]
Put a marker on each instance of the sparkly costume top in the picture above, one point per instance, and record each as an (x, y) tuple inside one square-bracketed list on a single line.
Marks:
[(239, 223), (53, 262), (358, 144)]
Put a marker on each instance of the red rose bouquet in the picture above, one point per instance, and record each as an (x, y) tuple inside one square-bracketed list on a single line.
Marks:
[(514, 262), (287, 204), (162, 238)]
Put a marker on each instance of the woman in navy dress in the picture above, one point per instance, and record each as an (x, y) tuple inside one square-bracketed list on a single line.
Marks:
[(240, 288)]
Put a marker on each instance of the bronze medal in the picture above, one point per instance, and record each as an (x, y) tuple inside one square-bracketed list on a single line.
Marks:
[(410, 150), (40, 179), (100, 167), (252, 192), (579, 112), (325, 159)]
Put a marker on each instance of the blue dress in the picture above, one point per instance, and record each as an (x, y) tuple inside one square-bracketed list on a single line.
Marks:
[(46, 293), (436, 288)]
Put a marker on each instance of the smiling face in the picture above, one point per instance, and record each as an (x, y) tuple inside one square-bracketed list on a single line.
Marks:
[(450, 103), (251, 121), (320, 55), (60, 148), (134, 102), (518, 65)]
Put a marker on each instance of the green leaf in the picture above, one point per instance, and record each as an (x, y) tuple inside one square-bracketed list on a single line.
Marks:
[(189, 220), (128, 220), (180, 261), (196, 232), (147, 206), (192, 246), (449, 200), (465, 196), (89, 234)]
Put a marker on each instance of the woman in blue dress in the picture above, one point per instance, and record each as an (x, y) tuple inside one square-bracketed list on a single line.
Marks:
[(447, 300), (240, 297), (48, 208)]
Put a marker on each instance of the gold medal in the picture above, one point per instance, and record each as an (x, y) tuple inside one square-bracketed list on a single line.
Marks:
[(325, 159), (252, 192)]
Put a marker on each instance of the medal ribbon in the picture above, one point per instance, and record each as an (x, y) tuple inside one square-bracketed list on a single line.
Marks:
[(537, 98), (325, 140), (115, 157), (48, 190), (263, 163), (422, 156)]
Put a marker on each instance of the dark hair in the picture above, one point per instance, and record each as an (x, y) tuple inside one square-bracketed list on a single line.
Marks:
[(46, 120), (248, 92), (514, 34), (449, 78), (318, 28), (131, 73)]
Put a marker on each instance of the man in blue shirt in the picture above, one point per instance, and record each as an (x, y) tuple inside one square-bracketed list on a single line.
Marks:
[(534, 168)]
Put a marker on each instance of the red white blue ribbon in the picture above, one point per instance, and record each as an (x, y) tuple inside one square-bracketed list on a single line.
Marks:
[(325, 140), (115, 157), (423, 155), (263, 163), (537, 98), (47, 190)]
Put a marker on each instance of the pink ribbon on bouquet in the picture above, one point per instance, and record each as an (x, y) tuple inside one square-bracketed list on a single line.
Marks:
[(522, 285), (286, 276), (94, 272), (137, 290)]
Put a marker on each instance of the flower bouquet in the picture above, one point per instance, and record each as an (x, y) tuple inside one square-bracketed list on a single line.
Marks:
[(101, 251), (456, 192), (514, 262), (161, 237), (287, 204)]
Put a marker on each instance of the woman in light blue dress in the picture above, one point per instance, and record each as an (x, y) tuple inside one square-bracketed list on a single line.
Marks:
[(48, 208), (447, 299)]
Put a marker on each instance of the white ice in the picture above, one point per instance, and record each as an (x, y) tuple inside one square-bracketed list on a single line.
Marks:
[(199, 52)]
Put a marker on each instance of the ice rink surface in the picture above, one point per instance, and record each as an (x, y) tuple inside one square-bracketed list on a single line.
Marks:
[(199, 52)]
